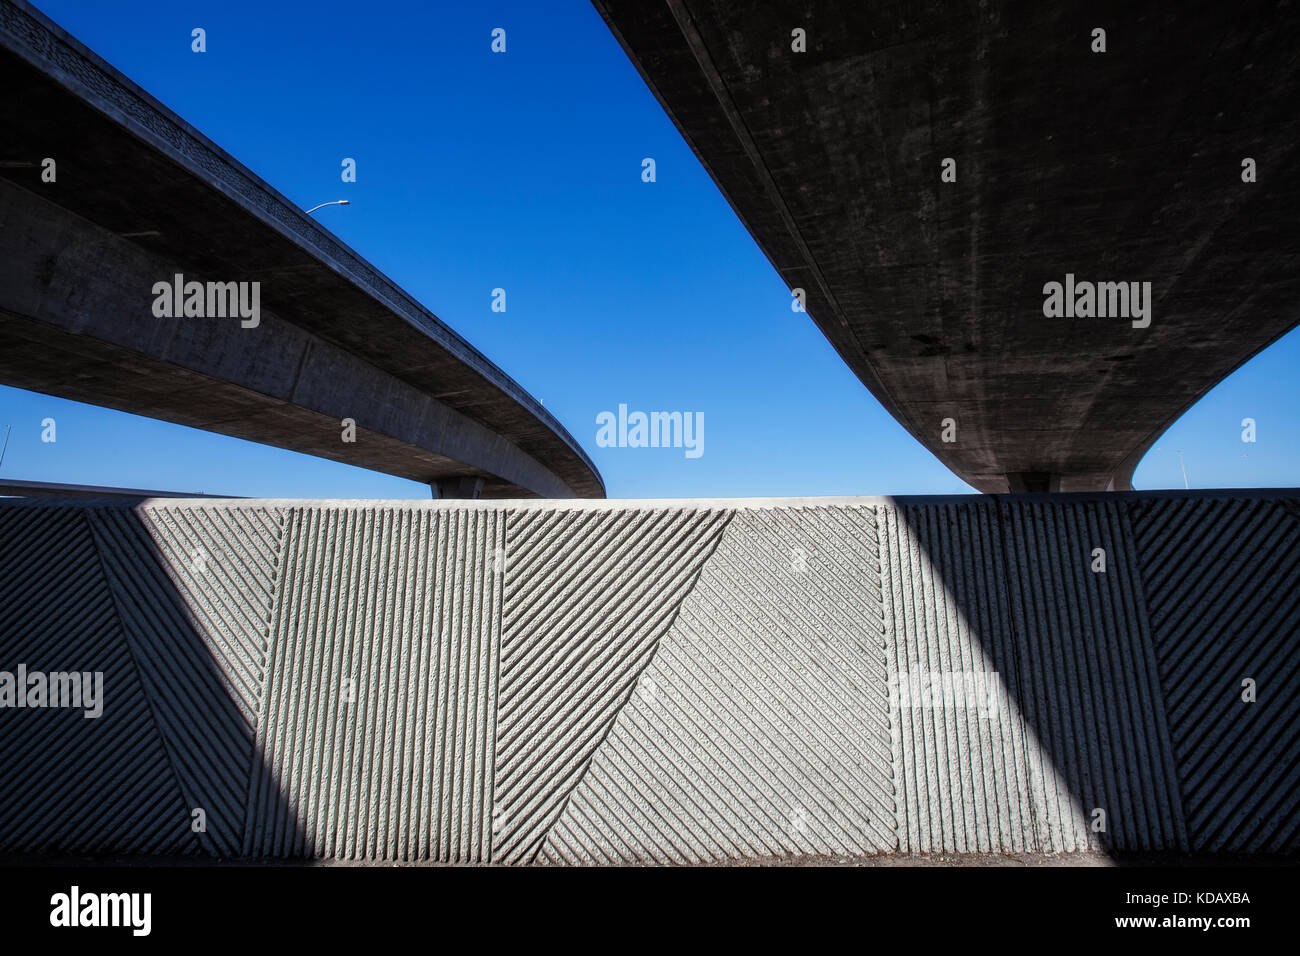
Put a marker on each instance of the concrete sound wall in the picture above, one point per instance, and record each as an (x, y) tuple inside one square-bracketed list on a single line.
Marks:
[(599, 682)]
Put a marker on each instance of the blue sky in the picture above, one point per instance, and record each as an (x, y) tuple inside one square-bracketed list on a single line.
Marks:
[(523, 171)]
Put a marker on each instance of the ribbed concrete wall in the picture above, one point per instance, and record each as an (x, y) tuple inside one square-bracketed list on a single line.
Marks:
[(1085, 679), (590, 595), (68, 783), (193, 589), (379, 706), (664, 682), (964, 775), (1222, 580), (761, 726)]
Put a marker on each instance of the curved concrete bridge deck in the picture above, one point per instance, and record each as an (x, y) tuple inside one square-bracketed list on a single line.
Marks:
[(543, 682), (923, 172), (140, 197)]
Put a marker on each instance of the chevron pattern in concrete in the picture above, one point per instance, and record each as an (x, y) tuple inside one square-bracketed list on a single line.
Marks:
[(669, 682)]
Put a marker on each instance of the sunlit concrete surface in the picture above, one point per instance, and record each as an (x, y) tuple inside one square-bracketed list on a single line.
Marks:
[(1122, 166), (677, 682), (140, 197)]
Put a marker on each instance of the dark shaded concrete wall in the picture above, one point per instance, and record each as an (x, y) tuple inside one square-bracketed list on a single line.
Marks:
[(1115, 166), (658, 681)]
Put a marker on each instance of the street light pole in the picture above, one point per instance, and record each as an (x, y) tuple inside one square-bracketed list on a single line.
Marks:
[(336, 202), (1181, 465)]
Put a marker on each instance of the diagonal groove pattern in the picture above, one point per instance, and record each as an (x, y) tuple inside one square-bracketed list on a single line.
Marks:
[(1222, 581), (171, 599), (570, 683), (761, 726), (71, 784), (589, 593), (225, 562)]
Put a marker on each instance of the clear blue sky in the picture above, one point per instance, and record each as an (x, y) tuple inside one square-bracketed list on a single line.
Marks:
[(523, 171)]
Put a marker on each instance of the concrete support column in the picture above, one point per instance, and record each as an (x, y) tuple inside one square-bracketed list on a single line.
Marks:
[(466, 487), (1022, 482)]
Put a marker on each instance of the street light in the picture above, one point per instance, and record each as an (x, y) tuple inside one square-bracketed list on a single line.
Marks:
[(336, 202), (1179, 452)]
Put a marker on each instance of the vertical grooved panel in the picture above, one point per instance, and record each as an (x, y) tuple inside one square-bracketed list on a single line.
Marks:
[(961, 760), (1097, 737), (380, 713)]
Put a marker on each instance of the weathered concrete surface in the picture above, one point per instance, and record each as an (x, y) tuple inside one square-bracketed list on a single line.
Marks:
[(141, 196), (674, 682), (1116, 166)]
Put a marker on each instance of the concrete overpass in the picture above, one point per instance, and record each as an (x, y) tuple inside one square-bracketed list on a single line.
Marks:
[(1116, 166), (575, 682), (140, 197)]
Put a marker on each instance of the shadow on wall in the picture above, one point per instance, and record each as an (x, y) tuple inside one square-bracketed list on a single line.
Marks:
[(672, 684), (167, 637), (319, 681), (1120, 633)]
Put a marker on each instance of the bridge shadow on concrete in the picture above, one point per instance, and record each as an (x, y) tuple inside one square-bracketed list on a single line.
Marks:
[(168, 765), (1004, 588), (1048, 591)]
